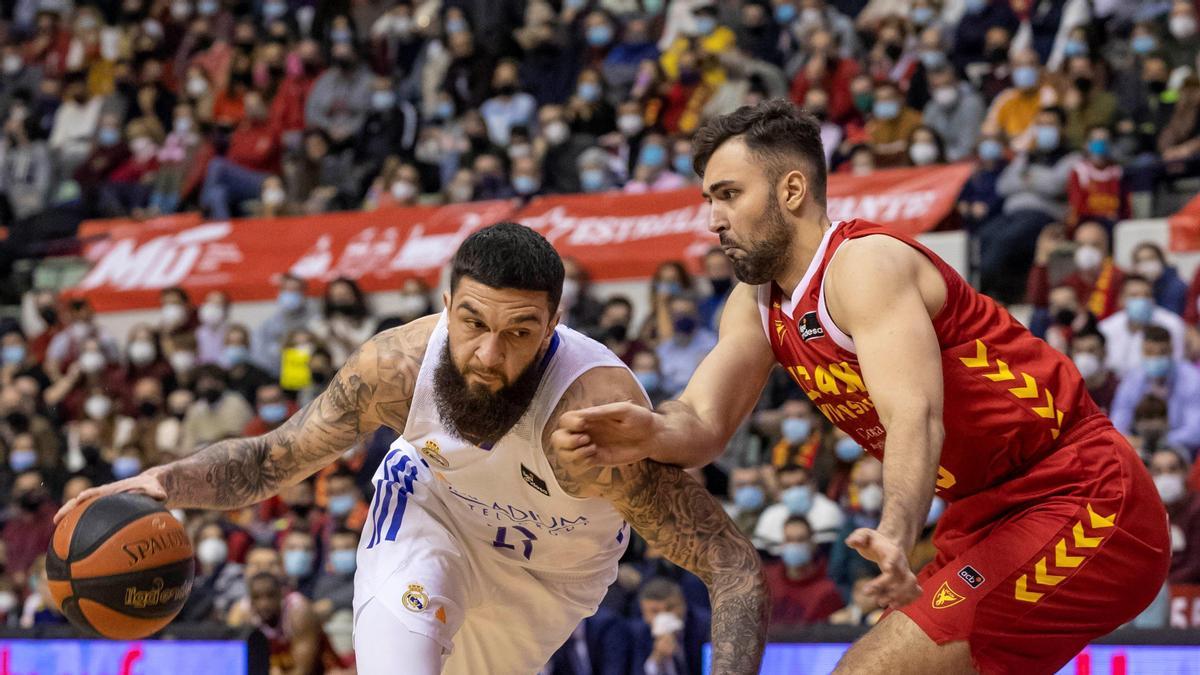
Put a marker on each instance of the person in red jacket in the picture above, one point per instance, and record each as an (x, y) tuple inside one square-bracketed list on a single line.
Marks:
[(801, 592), (1095, 188), (1096, 280), (253, 156)]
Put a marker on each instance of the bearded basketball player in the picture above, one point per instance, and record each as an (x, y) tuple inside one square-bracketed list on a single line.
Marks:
[(484, 549), (1054, 534)]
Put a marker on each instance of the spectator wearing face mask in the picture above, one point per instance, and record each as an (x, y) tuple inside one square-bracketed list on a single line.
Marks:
[(1164, 376), (219, 582), (30, 524), (651, 173), (979, 201), (588, 110), (1125, 330), (646, 369), (1170, 292), (562, 152), (925, 147), (1096, 189), (508, 106), (92, 372), (340, 99), (581, 310), (1169, 470), (954, 112), (16, 359), (253, 155), (796, 438), (144, 360), (1088, 354), (343, 502), (620, 68), (799, 498), (684, 344), (213, 316), (334, 590), (244, 376), (294, 634), (890, 126), (346, 321), (129, 185), (748, 497), (1015, 110), (293, 313), (669, 632), (217, 414), (801, 592), (863, 504), (300, 558), (1095, 280), (718, 270), (176, 314), (594, 172), (272, 409)]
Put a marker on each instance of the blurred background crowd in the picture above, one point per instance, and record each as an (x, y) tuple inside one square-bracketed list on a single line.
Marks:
[(1076, 113)]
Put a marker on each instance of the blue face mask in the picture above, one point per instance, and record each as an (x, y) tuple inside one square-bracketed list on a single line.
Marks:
[(456, 25), (649, 379), (444, 110), (1075, 48), (848, 450), (785, 13), (108, 137), (798, 499), (669, 288), (990, 150), (886, 110), (682, 165), (525, 185), (685, 325), (976, 6), (1098, 147), (1046, 137), (125, 467), (933, 60), (795, 429), (748, 498), (1157, 367), (705, 25), (591, 180), (272, 413), (290, 301), (599, 35), (652, 156), (383, 99), (652, 6), (344, 562), (1025, 77), (589, 91), (340, 505), (796, 554), (22, 460), (297, 562), (1139, 310), (235, 355), (13, 354), (922, 16), (1143, 44)]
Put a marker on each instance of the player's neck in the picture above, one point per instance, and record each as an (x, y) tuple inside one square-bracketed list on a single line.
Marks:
[(809, 234)]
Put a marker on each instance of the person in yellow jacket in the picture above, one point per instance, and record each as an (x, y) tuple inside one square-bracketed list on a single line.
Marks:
[(709, 39)]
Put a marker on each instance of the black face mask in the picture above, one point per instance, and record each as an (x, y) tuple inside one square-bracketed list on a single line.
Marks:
[(997, 54), (18, 421), (1064, 317), (320, 379), (30, 501), (1083, 84), (1156, 86), (507, 89), (617, 333), (301, 510), (49, 315), (147, 408), (721, 286), (91, 454), (893, 51), (212, 395)]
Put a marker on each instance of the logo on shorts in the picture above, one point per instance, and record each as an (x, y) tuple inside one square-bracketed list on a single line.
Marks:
[(945, 597), (534, 482), (968, 574), (434, 453), (415, 599), (810, 328)]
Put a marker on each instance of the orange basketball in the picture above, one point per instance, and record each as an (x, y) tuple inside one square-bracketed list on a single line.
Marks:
[(120, 566)]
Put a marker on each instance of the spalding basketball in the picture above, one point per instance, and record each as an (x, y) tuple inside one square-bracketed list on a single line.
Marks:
[(120, 566)]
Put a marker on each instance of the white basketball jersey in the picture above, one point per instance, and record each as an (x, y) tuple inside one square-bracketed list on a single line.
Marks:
[(505, 499)]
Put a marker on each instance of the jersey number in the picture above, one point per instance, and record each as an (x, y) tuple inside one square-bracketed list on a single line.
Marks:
[(527, 543)]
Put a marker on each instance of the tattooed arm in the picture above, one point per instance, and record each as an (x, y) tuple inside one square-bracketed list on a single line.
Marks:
[(373, 389), (672, 512)]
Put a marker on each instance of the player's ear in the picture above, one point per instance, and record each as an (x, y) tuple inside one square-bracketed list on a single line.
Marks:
[(795, 189), (446, 299)]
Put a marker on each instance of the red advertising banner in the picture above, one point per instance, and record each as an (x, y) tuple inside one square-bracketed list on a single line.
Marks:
[(613, 235), (1185, 227), (1184, 609)]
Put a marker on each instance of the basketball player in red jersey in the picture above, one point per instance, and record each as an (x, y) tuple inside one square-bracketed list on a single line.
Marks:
[(1054, 534)]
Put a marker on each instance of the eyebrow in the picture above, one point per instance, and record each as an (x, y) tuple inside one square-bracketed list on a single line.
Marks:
[(520, 319), (716, 186)]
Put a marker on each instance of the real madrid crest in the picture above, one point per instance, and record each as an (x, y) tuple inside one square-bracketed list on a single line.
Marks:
[(415, 599), (434, 454)]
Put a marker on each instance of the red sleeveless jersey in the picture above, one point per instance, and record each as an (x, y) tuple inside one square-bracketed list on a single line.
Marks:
[(1008, 396)]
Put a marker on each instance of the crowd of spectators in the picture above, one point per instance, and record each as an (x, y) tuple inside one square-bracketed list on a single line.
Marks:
[(1076, 114)]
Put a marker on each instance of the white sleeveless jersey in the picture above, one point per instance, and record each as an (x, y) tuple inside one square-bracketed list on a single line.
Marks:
[(503, 501)]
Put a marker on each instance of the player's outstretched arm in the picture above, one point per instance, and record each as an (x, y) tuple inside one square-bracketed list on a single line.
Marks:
[(676, 515), (373, 388), (693, 430), (882, 292)]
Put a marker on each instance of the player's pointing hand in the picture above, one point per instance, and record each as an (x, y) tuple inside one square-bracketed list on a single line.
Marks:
[(616, 433), (896, 585)]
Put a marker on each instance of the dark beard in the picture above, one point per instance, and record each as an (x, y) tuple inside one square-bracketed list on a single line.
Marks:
[(764, 259), (472, 412)]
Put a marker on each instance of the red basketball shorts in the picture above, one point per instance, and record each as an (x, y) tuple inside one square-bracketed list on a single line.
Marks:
[(1030, 571)]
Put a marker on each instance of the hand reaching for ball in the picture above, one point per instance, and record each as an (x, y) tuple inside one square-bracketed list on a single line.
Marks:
[(145, 483)]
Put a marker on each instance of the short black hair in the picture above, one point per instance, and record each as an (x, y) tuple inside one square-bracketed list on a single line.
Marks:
[(509, 255), (775, 131), (1057, 111), (1156, 333), (661, 589), (791, 520)]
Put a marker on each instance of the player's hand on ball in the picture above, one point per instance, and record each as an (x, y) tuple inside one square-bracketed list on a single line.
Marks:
[(144, 483), (896, 585), (613, 434)]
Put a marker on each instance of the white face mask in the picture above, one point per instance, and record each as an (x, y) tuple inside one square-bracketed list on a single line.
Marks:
[(411, 306), (1170, 487), (629, 124), (1182, 26), (403, 190), (1087, 363), (273, 196), (91, 362), (1088, 258), (1151, 269), (870, 498), (97, 407), (141, 352), (923, 154), (173, 315), (182, 362), (212, 551), (557, 132), (945, 96), (211, 314), (8, 601)]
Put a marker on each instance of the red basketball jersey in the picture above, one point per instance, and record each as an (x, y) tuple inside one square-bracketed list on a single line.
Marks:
[(1009, 397)]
